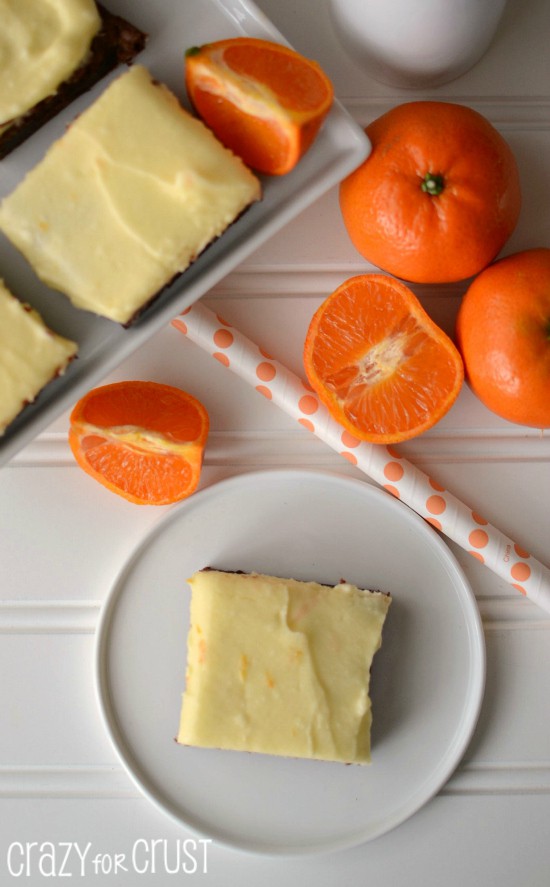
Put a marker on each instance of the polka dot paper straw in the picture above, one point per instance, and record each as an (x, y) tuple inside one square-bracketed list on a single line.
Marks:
[(383, 464)]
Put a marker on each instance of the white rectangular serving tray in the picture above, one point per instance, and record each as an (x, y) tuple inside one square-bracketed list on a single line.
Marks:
[(173, 26)]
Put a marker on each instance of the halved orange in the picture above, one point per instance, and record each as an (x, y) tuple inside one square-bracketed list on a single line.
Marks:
[(142, 440), (264, 101), (383, 368)]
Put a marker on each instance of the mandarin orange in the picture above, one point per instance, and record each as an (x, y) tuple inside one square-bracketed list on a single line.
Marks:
[(142, 440), (264, 101), (383, 368), (503, 332), (437, 198)]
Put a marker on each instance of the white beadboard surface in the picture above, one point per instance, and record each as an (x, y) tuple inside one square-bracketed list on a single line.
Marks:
[(63, 539)]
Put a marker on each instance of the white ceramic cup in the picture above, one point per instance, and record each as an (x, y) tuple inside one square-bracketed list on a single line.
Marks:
[(416, 43)]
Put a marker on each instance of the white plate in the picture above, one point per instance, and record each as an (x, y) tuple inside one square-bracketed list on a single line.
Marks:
[(173, 26), (427, 681)]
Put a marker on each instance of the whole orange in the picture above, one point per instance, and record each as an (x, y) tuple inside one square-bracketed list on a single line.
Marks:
[(503, 332), (438, 196)]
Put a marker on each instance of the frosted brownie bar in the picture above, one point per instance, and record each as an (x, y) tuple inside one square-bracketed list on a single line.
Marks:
[(52, 51), (30, 356), (280, 666), (126, 199)]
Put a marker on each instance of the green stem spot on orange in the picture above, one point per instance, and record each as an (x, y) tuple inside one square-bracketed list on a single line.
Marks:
[(433, 184)]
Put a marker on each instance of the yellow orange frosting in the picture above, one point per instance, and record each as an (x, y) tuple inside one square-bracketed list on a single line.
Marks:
[(280, 666), (126, 199), (30, 355), (42, 42)]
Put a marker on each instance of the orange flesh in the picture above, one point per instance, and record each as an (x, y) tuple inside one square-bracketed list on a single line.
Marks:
[(142, 440), (157, 409), (297, 85), (379, 363), (263, 101), (263, 144), (157, 478)]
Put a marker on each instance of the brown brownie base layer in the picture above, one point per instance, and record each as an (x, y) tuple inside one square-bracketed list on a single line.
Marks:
[(117, 42)]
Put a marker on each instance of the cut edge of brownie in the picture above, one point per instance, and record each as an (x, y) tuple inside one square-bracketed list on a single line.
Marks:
[(117, 42)]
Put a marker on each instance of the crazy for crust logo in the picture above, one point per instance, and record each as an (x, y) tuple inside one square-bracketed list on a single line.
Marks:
[(147, 856)]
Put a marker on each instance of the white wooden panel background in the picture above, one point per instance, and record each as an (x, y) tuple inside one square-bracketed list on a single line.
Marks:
[(62, 540)]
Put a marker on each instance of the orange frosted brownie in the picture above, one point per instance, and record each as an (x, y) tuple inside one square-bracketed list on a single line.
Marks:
[(30, 355), (280, 666), (126, 199)]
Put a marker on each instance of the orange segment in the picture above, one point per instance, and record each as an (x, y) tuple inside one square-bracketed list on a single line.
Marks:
[(142, 440), (264, 101), (382, 367)]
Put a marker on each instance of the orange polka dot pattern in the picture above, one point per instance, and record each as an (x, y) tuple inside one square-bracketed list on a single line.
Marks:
[(383, 464)]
